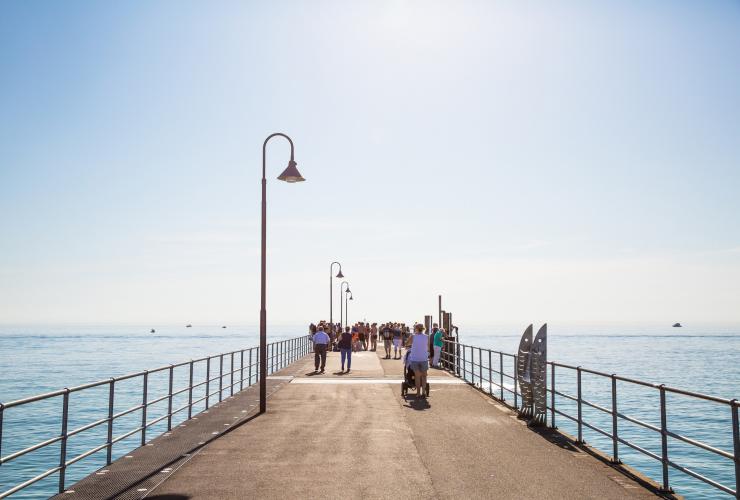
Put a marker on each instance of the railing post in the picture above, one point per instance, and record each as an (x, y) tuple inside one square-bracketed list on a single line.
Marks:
[(664, 438), (736, 440), (480, 368), (501, 374), (232, 375), (63, 445), (190, 392), (457, 358), (169, 401), (208, 379), (552, 396), (143, 407), (490, 374), (516, 382), (580, 407), (615, 428), (111, 395), (250, 367), (464, 364), (241, 370), (220, 376), (2, 411)]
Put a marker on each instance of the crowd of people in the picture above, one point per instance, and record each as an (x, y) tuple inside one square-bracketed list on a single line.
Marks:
[(421, 349)]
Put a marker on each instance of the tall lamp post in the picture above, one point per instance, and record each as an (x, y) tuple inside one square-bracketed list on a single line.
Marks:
[(346, 305), (341, 314), (331, 297), (290, 174)]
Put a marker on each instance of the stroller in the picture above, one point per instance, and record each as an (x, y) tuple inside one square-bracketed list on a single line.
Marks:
[(409, 377)]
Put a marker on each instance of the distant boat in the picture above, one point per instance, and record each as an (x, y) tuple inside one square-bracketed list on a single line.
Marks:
[(153, 330), (677, 325), (188, 326), (223, 327)]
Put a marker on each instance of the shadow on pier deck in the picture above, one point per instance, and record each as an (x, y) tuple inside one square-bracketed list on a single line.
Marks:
[(354, 436)]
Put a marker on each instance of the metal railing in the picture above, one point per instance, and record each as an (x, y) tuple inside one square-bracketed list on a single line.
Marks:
[(460, 359), (280, 355)]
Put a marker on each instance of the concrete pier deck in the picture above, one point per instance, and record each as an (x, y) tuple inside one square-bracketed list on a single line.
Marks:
[(355, 436)]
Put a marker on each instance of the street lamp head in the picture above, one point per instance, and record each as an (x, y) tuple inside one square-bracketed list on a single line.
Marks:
[(340, 275), (347, 290), (351, 297), (291, 174)]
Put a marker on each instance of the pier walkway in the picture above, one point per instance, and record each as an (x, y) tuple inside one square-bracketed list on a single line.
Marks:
[(355, 436)]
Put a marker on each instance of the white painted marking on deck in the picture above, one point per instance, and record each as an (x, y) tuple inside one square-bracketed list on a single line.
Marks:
[(349, 381), (280, 377)]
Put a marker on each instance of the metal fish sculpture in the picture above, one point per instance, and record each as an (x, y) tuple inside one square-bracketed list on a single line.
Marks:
[(523, 373), (538, 359)]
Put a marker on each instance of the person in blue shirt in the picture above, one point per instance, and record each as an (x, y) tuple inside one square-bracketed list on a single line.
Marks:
[(320, 344)]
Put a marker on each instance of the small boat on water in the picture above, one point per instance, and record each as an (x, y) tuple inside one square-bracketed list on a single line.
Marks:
[(153, 331), (677, 325), (223, 327), (188, 326)]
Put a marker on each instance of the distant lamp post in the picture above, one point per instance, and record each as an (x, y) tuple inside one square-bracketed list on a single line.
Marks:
[(341, 314), (290, 174), (331, 290), (346, 305)]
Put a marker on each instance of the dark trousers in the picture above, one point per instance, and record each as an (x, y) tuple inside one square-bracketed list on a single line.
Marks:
[(319, 355)]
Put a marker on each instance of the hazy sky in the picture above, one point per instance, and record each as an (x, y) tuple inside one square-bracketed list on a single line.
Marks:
[(532, 161)]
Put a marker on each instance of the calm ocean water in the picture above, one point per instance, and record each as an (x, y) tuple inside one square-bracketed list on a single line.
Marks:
[(41, 359)]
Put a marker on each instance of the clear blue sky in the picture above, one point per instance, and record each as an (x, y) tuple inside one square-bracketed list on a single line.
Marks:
[(529, 160)]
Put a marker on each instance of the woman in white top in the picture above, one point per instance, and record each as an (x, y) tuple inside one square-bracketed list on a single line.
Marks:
[(419, 359)]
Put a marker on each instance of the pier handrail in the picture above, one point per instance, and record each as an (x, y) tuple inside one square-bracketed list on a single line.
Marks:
[(455, 359), (281, 354)]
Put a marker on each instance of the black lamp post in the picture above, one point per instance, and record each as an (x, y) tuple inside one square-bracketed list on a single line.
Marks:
[(341, 315), (346, 305), (290, 174), (340, 276)]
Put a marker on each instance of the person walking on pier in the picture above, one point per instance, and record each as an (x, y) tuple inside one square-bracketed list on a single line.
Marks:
[(419, 359), (387, 334), (397, 340), (374, 337), (362, 337), (345, 347), (439, 334), (320, 344)]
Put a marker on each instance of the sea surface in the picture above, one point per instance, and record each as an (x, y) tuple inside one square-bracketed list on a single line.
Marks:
[(39, 359)]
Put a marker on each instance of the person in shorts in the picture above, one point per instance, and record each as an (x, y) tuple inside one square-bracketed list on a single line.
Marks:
[(387, 334), (397, 341), (419, 359), (374, 337)]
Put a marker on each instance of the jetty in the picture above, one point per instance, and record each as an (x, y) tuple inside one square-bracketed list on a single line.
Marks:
[(355, 436), (195, 430)]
